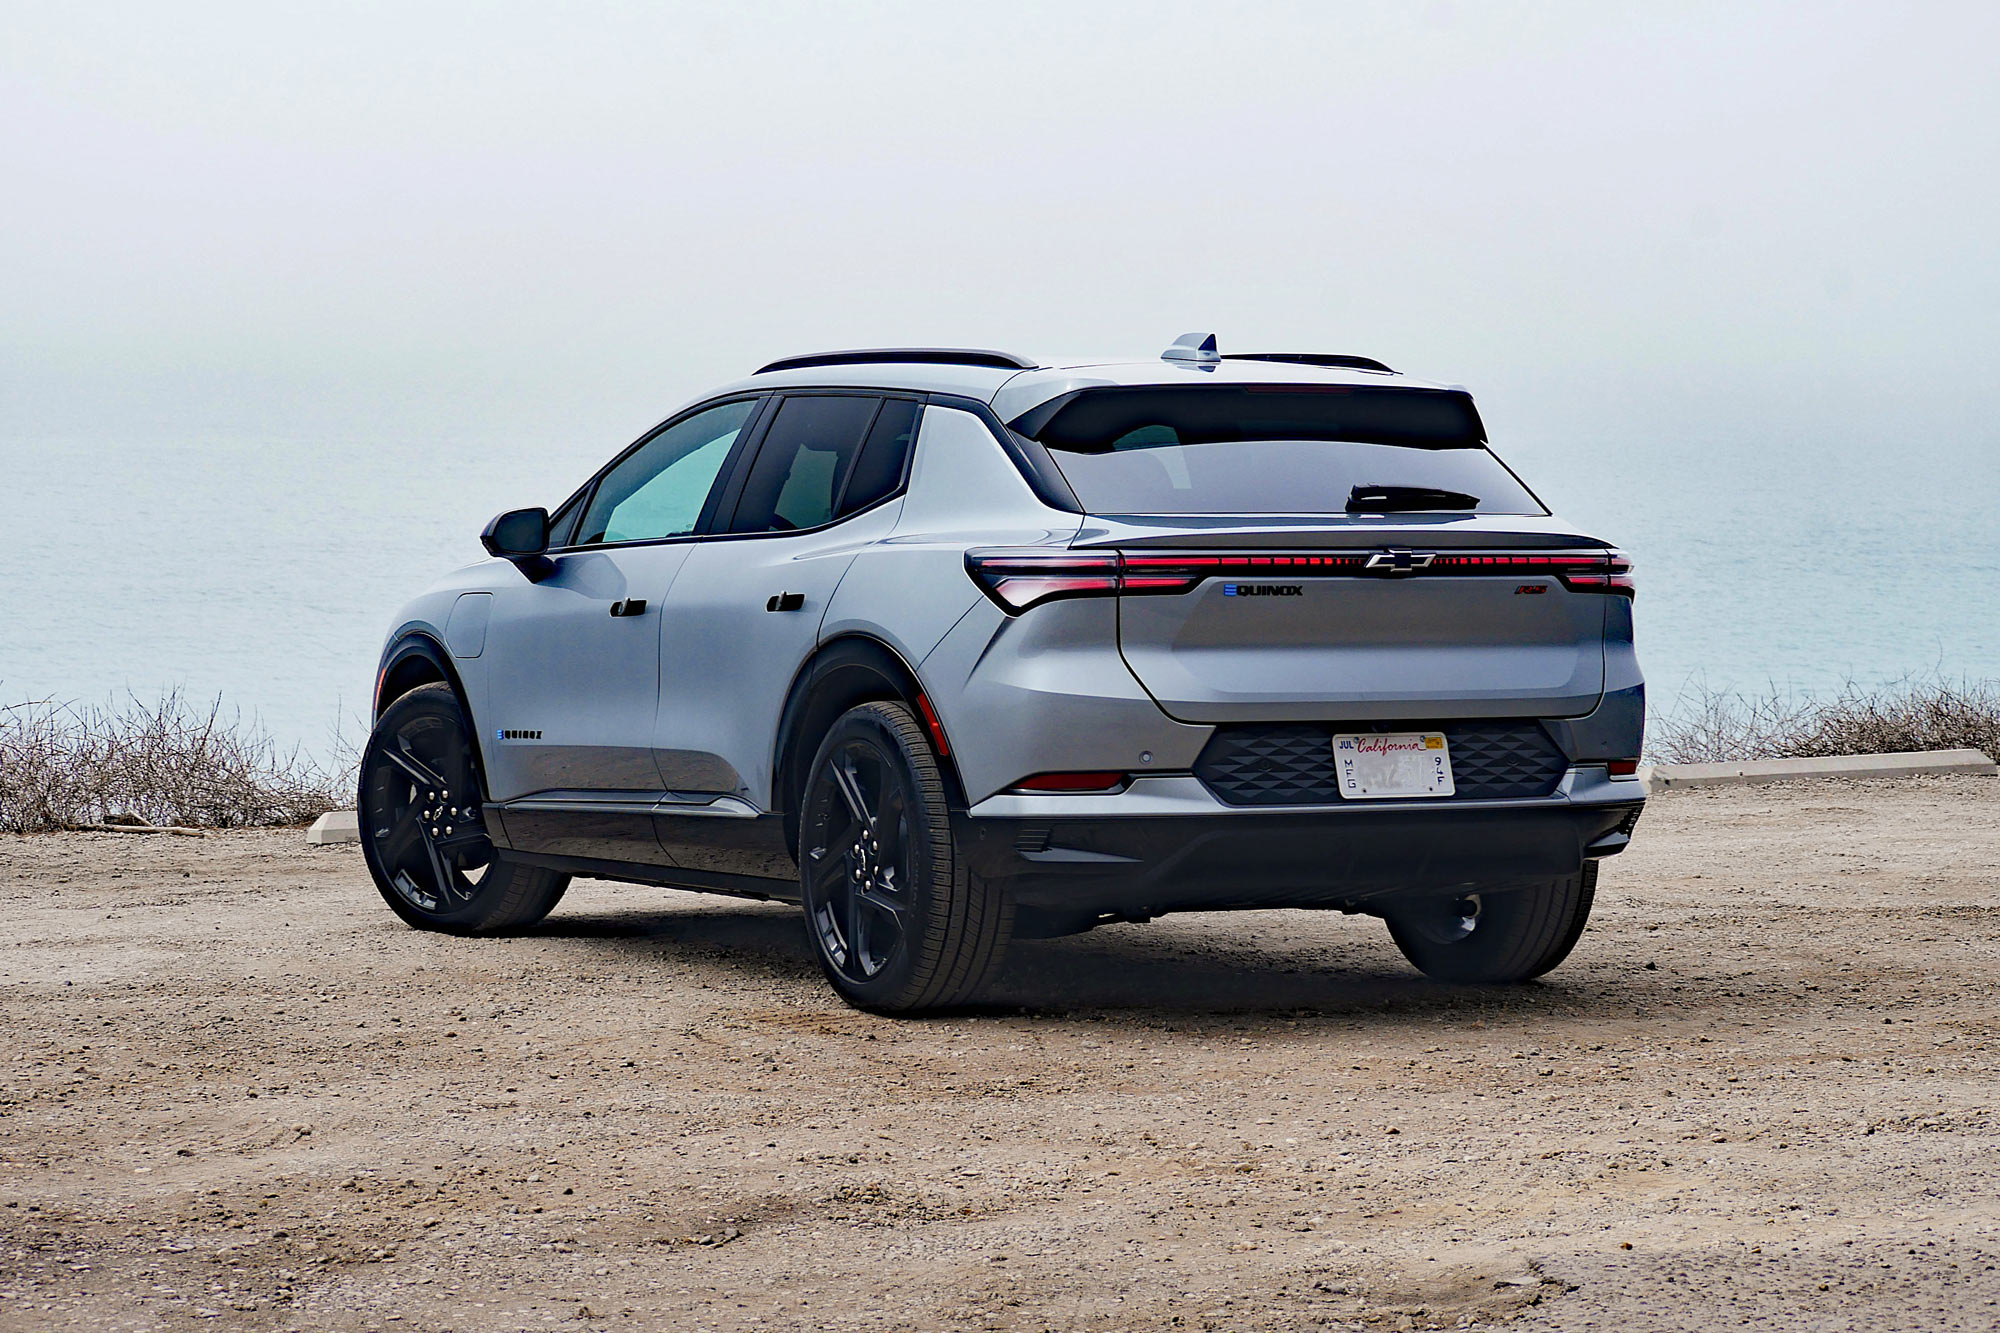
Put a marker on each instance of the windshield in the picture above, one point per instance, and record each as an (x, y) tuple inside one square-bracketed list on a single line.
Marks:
[(1289, 449)]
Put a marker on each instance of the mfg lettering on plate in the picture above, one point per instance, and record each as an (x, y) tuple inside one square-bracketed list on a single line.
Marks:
[(1376, 767)]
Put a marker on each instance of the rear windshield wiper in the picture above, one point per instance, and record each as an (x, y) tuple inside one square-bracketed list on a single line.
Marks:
[(1399, 499)]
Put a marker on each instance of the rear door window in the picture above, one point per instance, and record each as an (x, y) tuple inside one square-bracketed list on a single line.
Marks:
[(804, 463), (1230, 449)]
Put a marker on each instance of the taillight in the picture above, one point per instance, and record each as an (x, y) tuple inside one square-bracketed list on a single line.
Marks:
[(1610, 573), (1019, 579), (1606, 572), (1071, 782)]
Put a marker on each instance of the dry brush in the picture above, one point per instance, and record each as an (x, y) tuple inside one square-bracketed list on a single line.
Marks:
[(1715, 726), (67, 765)]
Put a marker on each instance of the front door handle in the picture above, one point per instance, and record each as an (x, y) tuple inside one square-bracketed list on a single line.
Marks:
[(786, 601), (630, 606)]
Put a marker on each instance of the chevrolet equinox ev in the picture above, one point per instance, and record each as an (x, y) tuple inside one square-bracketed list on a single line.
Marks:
[(951, 647)]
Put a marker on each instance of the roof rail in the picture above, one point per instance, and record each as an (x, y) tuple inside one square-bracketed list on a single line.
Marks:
[(1332, 360), (908, 356)]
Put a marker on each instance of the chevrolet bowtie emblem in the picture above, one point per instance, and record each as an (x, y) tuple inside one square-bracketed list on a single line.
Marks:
[(1399, 562)]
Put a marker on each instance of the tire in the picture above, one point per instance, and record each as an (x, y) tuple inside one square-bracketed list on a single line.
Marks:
[(1509, 936), (422, 831), (897, 922)]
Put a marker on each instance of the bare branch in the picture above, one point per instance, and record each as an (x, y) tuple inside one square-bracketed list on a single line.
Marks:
[(1916, 713), (166, 762)]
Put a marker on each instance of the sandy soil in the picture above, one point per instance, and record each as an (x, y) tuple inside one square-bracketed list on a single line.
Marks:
[(236, 1093)]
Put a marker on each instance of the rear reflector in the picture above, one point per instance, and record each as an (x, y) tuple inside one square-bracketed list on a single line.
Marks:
[(1020, 578), (1071, 782), (935, 727), (1623, 768)]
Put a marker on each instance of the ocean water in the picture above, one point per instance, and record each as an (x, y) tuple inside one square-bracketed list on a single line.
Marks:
[(266, 569)]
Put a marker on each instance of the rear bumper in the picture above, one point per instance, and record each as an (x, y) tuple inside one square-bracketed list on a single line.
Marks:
[(1166, 845)]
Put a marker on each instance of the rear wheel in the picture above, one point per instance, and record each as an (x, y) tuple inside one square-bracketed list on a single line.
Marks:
[(422, 831), (896, 920), (1512, 935)]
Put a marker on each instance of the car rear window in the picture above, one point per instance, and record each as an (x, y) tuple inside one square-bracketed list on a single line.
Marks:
[(1249, 449)]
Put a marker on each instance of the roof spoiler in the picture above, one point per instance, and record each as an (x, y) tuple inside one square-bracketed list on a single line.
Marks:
[(1331, 360)]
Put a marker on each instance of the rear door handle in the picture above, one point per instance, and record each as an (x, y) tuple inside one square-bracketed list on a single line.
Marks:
[(786, 601), (630, 606)]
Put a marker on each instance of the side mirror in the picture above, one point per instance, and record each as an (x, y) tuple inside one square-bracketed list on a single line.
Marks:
[(520, 535), (517, 533)]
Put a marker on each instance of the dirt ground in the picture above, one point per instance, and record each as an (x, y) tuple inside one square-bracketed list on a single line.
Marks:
[(236, 1093)]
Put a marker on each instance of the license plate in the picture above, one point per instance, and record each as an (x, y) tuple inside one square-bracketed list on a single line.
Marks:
[(1375, 767)]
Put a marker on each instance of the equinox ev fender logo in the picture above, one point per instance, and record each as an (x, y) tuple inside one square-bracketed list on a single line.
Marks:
[(1262, 590)]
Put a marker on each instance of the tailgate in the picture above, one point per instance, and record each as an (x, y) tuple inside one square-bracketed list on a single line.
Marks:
[(1385, 631)]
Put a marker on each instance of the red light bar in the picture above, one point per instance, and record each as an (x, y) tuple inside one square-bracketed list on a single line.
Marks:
[(1023, 577)]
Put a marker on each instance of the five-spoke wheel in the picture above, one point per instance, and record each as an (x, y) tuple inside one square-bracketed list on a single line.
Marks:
[(896, 921), (856, 861), (423, 832)]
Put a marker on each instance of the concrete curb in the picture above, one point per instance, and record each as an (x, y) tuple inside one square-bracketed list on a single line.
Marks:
[(1907, 764), (334, 826)]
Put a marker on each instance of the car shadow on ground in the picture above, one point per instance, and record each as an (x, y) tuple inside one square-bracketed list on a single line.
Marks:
[(1143, 973)]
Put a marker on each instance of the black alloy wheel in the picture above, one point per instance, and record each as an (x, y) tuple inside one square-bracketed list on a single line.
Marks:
[(859, 864), (895, 920), (423, 832)]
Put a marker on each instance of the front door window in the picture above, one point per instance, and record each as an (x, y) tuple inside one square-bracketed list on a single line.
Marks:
[(658, 489)]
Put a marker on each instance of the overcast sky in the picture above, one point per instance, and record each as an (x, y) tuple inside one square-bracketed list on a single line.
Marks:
[(554, 218)]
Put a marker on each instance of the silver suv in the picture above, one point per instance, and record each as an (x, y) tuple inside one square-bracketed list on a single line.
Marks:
[(952, 647)]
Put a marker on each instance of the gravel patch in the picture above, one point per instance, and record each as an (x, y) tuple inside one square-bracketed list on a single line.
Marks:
[(235, 1092)]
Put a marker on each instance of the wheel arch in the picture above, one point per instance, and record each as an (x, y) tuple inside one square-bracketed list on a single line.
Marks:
[(844, 673), (417, 659)]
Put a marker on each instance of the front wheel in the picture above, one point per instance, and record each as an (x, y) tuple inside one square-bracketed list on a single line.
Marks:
[(896, 920), (423, 833), (1488, 938)]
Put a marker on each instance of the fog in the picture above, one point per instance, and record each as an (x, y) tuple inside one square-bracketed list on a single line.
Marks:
[(292, 300), (1607, 220)]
